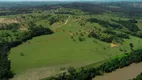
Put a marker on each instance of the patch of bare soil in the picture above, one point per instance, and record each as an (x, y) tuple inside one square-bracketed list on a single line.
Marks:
[(122, 74), (23, 28), (40, 73), (36, 74), (8, 20), (114, 45)]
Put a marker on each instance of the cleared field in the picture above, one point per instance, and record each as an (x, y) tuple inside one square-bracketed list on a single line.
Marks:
[(59, 50), (8, 20), (122, 74), (56, 50)]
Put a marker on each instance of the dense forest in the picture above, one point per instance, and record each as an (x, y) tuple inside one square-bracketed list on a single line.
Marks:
[(89, 7)]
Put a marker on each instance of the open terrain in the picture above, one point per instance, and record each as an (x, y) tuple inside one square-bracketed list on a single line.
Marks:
[(59, 49), (46, 40)]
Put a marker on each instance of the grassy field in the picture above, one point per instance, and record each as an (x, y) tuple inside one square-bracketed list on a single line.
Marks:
[(60, 49)]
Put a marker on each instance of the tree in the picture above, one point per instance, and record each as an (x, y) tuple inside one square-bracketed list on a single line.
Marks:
[(139, 77), (131, 46), (21, 54), (71, 70), (5, 72)]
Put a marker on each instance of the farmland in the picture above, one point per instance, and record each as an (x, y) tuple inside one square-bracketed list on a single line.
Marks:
[(59, 49), (46, 40)]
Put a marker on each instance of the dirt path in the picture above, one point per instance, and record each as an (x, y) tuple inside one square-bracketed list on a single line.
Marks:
[(67, 20), (122, 74), (54, 28)]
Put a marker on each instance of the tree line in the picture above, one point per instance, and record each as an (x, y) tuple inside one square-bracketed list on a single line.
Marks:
[(108, 34), (104, 23), (133, 29), (91, 8), (109, 66)]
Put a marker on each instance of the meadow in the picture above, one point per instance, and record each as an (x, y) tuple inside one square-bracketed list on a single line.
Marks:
[(63, 49)]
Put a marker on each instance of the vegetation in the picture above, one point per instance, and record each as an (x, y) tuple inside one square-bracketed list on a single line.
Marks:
[(84, 33), (10, 37), (139, 77), (109, 35), (5, 72), (88, 74)]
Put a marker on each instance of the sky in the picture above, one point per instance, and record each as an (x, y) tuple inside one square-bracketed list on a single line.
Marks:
[(70, 0)]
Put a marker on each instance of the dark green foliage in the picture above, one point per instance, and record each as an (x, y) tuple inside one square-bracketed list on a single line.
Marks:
[(131, 46), (133, 57), (21, 54), (53, 19), (91, 7), (123, 35), (139, 77), (130, 25), (39, 30), (139, 34), (81, 38), (102, 36), (108, 35), (125, 8), (133, 21), (65, 12), (11, 37), (13, 26), (104, 23), (112, 65), (14, 12), (76, 33), (133, 29), (72, 37), (81, 34), (5, 72), (118, 34), (74, 40), (71, 70)]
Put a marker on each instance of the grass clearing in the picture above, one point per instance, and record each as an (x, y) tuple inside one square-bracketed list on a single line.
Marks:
[(61, 50)]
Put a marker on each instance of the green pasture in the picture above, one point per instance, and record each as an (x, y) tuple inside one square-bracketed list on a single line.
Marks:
[(60, 49)]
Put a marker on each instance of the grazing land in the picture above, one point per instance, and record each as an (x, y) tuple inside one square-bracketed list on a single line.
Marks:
[(43, 40), (40, 51)]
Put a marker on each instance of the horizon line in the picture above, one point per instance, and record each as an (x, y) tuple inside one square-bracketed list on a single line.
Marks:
[(70, 0)]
